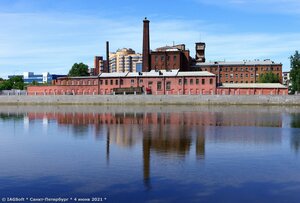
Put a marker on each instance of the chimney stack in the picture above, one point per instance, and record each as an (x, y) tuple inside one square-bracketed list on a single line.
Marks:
[(107, 56), (146, 46)]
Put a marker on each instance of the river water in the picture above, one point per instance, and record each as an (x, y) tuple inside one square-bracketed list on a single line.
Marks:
[(150, 153)]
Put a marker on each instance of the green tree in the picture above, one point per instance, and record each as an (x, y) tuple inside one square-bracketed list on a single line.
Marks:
[(15, 82), (80, 69), (295, 72), (269, 77)]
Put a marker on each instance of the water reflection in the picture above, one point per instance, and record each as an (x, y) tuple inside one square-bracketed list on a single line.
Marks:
[(201, 150), (170, 134)]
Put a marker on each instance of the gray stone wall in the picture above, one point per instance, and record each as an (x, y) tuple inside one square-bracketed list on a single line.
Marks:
[(152, 99)]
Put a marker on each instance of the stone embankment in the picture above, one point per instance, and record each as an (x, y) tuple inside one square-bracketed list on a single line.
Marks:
[(151, 99)]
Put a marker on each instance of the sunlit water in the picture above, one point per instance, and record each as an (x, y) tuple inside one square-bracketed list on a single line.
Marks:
[(151, 154)]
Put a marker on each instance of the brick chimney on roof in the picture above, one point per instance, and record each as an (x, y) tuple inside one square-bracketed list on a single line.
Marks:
[(146, 46)]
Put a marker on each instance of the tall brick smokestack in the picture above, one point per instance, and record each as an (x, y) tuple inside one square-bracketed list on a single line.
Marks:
[(107, 56), (146, 46)]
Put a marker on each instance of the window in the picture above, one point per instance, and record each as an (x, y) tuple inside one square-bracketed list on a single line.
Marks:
[(117, 82), (168, 58), (252, 75), (121, 82), (162, 58), (141, 80), (246, 75), (158, 85), (185, 81), (150, 84), (191, 81), (241, 75), (203, 81), (174, 58), (231, 69), (231, 75), (211, 81), (179, 81), (111, 82), (236, 75), (156, 59), (106, 82), (101, 82), (226, 75), (197, 81), (242, 69), (132, 82), (168, 86)]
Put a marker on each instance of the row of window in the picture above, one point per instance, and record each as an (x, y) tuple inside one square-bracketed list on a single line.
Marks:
[(132, 82), (162, 58), (238, 82), (243, 69), (77, 82)]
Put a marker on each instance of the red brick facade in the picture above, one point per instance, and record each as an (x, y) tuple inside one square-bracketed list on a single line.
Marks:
[(180, 84), (240, 73)]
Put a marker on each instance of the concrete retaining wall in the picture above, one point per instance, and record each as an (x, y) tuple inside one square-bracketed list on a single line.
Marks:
[(153, 99)]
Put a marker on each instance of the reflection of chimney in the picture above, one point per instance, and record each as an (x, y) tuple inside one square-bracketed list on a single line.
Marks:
[(107, 56), (146, 160), (107, 145), (146, 46)]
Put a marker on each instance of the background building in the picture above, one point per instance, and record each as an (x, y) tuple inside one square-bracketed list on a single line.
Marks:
[(45, 77), (124, 60)]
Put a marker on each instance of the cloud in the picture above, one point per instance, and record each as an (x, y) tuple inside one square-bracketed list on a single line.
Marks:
[(53, 41)]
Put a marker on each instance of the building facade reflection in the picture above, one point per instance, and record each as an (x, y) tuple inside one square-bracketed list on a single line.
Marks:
[(171, 134)]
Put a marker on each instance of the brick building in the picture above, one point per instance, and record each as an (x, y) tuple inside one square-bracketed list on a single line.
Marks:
[(239, 72), (170, 57), (157, 82)]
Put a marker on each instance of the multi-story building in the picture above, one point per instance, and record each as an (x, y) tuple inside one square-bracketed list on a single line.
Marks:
[(45, 77), (240, 72), (170, 57), (286, 80), (124, 60)]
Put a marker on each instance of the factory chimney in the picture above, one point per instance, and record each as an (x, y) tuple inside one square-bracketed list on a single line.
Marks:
[(107, 56), (146, 46)]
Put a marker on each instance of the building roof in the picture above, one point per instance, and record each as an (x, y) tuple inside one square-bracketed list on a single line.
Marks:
[(153, 73), (237, 63), (195, 73), (79, 77), (252, 85), (113, 75)]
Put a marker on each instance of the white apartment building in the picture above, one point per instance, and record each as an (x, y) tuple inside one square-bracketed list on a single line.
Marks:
[(124, 60)]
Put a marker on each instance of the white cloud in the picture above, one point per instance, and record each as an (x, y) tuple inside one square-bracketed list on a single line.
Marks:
[(53, 42)]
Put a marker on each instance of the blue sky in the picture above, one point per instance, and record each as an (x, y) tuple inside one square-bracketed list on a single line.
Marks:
[(51, 35)]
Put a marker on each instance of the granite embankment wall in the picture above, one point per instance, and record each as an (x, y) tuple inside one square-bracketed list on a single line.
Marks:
[(152, 99)]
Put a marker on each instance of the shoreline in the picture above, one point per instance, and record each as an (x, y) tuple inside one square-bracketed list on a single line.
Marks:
[(286, 100)]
